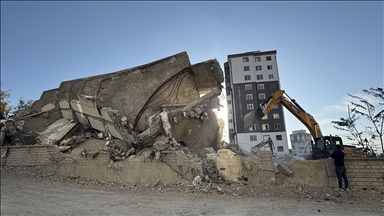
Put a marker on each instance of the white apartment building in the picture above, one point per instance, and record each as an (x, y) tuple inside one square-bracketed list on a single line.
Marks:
[(250, 79), (301, 143)]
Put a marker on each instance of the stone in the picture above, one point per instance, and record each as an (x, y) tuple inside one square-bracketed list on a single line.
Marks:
[(67, 142), (196, 181), (64, 148), (160, 146), (283, 168)]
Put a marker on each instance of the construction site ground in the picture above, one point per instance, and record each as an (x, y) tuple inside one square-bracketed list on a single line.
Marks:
[(30, 191)]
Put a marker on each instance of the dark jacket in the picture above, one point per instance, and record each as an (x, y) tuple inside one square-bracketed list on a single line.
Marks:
[(338, 157)]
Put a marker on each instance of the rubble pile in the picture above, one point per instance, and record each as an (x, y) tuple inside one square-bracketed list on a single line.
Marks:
[(145, 111)]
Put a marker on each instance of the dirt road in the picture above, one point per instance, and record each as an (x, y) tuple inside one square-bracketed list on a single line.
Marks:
[(26, 191)]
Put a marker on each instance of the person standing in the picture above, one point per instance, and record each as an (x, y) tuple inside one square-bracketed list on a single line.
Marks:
[(341, 171)]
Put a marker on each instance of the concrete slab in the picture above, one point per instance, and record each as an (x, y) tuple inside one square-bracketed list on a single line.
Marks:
[(81, 118), (64, 105), (105, 114), (114, 132), (48, 107), (56, 131), (96, 123), (68, 114)]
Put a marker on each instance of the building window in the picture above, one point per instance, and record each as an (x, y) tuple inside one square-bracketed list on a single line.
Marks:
[(229, 102), (262, 96), (247, 77), (246, 68), (280, 148), (230, 130), (245, 59), (250, 107), (258, 68), (228, 93), (253, 138), (265, 137), (276, 106), (229, 111), (279, 137), (270, 76), (249, 96), (248, 87), (260, 86), (252, 128), (269, 67), (293, 147), (259, 77), (230, 121), (265, 117), (257, 59), (277, 126), (276, 116), (265, 127), (269, 58)]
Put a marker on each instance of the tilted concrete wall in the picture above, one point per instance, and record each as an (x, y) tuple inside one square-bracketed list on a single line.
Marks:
[(172, 167), (257, 168), (361, 173)]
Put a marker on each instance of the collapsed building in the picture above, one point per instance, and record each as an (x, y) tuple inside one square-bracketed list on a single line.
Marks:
[(157, 109)]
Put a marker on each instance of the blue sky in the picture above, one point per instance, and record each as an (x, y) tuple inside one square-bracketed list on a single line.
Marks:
[(324, 49)]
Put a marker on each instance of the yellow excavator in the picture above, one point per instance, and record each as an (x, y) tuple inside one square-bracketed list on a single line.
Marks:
[(323, 146)]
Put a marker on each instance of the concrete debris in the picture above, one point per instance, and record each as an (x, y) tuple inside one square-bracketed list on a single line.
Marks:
[(196, 181), (141, 114), (283, 168), (166, 125), (64, 148)]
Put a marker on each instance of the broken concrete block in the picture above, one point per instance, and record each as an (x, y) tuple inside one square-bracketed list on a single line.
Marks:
[(100, 135), (175, 119), (211, 158), (166, 125), (157, 155), (196, 181), (130, 151), (198, 110), (124, 120), (160, 146), (88, 135), (67, 142), (64, 148), (283, 168), (247, 164), (209, 150)]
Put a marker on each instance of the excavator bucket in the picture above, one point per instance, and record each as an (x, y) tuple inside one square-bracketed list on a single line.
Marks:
[(259, 113)]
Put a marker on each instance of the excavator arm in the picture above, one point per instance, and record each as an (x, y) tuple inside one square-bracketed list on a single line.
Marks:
[(324, 145), (267, 142), (279, 97)]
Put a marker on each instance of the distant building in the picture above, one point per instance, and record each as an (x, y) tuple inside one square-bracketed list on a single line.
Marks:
[(301, 143), (250, 79)]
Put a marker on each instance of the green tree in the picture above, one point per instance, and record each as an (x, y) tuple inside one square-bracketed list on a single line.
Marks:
[(366, 109), (5, 107), (23, 107)]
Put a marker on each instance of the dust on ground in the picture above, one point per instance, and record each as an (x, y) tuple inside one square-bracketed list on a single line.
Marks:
[(28, 190)]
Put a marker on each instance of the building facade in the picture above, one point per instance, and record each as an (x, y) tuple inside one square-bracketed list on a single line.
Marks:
[(250, 79), (301, 143)]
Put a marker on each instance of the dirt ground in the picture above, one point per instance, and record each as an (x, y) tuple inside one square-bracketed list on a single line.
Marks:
[(30, 191)]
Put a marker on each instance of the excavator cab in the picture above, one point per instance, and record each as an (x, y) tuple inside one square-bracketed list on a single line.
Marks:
[(324, 147)]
